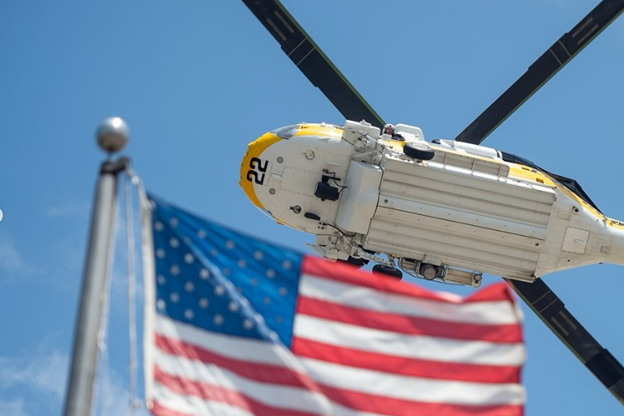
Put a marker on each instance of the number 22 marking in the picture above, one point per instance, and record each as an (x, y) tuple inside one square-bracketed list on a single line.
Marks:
[(258, 170)]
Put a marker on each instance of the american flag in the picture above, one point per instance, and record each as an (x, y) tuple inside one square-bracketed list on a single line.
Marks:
[(238, 326)]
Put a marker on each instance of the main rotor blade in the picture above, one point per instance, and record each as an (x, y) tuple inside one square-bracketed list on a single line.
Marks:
[(553, 312), (311, 60), (542, 70)]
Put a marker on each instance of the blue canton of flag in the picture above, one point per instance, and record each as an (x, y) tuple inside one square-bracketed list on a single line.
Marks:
[(210, 277), (238, 326)]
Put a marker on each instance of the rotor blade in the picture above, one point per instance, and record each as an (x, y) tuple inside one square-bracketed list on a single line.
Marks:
[(552, 311), (311, 60), (542, 70)]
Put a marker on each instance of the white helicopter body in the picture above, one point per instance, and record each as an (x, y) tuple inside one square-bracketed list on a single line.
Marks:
[(464, 212)]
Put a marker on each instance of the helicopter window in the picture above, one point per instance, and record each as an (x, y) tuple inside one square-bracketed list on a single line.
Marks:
[(286, 132)]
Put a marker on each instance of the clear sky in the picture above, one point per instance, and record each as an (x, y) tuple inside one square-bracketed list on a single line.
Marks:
[(197, 80)]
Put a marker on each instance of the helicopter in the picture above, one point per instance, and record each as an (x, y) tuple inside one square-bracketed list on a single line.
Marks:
[(447, 210)]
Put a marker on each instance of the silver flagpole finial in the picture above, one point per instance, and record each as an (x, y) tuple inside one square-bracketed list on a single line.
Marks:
[(112, 134)]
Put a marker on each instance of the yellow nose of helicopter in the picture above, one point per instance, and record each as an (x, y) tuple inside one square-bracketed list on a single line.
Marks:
[(253, 171)]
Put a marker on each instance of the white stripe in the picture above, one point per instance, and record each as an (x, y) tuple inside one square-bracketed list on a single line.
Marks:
[(413, 346), (192, 405), (279, 396), (252, 350), (492, 313), (414, 388), (343, 377), (351, 336)]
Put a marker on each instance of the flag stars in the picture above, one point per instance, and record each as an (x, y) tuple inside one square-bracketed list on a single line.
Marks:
[(205, 282)]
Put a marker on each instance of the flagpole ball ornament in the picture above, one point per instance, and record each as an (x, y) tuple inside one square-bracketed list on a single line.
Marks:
[(112, 134)]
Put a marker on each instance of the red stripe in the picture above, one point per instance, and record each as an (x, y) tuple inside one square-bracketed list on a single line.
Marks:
[(403, 366), (266, 373), (348, 274), (158, 409), (214, 393), (400, 407), (355, 400), (409, 324), (276, 374)]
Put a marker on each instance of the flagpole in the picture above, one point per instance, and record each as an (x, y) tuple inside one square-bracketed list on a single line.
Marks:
[(112, 136)]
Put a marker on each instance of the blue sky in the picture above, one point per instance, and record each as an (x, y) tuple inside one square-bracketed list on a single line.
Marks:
[(198, 80)]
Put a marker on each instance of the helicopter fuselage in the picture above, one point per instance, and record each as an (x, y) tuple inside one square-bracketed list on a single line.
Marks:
[(465, 211)]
